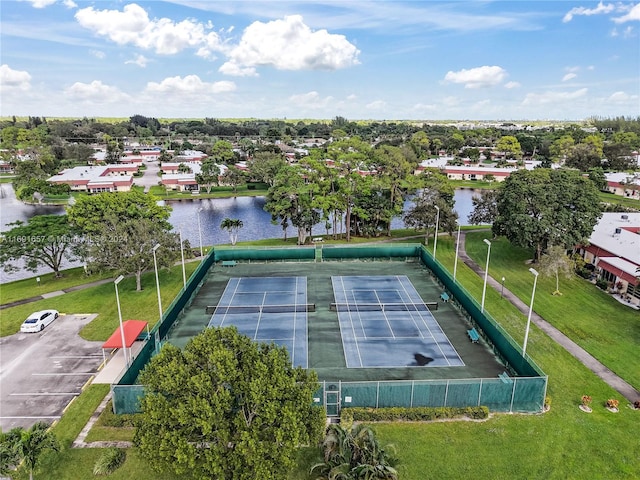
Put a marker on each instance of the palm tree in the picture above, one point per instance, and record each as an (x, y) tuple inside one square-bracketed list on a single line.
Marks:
[(233, 226), (354, 455), (30, 444)]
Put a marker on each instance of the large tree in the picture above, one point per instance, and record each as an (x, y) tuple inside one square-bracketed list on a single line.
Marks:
[(226, 407), (543, 207), (209, 173), (121, 229), (46, 240), (233, 226)]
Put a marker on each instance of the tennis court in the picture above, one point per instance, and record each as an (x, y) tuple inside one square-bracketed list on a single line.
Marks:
[(385, 323), (267, 310)]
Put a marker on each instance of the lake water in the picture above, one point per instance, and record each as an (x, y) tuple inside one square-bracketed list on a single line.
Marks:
[(256, 222)]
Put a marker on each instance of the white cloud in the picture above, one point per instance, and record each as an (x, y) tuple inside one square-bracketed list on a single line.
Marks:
[(289, 44), (600, 9), (352, 97), (95, 92), (133, 26), (98, 54), (485, 76), (451, 101), (553, 97), (190, 85), (511, 85), (41, 3), (569, 76), (140, 61), (632, 16), (237, 71), (423, 107), (69, 3), (376, 105), (622, 98), (14, 79), (310, 100)]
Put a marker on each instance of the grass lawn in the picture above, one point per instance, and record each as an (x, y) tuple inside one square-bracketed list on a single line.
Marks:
[(28, 287), (590, 317), (101, 299), (564, 443)]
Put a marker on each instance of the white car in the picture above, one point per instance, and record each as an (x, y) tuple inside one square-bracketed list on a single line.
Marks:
[(38, 320)]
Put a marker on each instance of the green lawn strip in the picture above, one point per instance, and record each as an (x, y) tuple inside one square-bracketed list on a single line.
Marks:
[(28, 287), (619, 200), (590, 317), (101, 299)]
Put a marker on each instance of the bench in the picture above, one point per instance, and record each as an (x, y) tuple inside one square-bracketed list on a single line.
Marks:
[(228, 263), (317, 239), (431, 305), (504, 376), (473, 335), (444, 296)]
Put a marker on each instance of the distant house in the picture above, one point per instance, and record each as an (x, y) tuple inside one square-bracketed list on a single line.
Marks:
[(614, 250), (96, 179), (173, 179), (623, 184)]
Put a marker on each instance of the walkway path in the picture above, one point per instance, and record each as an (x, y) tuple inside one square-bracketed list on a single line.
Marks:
[(79, 442), (573, 348)]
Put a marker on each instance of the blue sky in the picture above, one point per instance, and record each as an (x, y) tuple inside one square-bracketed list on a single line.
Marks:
[(384, 60)]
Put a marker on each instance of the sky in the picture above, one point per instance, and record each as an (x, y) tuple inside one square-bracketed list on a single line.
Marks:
[(362, 60)]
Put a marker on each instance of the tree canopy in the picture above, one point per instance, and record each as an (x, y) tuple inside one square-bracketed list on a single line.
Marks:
[(46, 240), (121, 229), (543, 207), (226, 407)]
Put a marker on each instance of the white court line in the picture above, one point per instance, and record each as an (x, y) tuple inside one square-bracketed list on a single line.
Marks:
[(384, 314), (355, 337)]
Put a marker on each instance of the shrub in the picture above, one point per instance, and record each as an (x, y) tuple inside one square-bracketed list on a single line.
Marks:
[(586, 400), (612, 403), (416, 414), (110, 460), (110, 419)]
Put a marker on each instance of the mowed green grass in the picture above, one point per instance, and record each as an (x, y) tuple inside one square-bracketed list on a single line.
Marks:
[(587, 315), (101, 299)]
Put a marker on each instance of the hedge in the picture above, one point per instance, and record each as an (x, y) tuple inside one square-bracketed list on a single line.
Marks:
[(416, 414)]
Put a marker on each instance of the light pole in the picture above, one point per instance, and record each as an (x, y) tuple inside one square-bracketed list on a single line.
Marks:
[(155, 266), (435, 240), (124, 346), (533, 294), (455, 262), (486, 274), (184, 275), (502, 289), (200, 233)]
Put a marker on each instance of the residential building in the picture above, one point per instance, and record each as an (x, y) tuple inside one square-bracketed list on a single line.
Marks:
[(96, 179)]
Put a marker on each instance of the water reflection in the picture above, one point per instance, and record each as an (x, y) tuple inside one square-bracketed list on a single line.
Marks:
[(256, 222)]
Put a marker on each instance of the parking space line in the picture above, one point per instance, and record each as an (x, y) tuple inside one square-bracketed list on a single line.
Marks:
[(47, 416), (61, 374), (77, 356), (41, 394)]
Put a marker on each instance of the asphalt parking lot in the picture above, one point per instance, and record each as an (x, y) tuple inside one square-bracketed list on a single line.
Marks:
[(40, 373)]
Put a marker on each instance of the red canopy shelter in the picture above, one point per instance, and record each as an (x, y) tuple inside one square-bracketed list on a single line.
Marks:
[(132, 328)]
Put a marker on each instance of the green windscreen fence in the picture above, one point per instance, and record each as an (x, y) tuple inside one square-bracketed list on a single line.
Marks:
[(125, 393), (519, 394), (523, 393), (502, 342)]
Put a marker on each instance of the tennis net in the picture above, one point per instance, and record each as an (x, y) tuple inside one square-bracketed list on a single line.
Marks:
[(244, 309), (382, 307)]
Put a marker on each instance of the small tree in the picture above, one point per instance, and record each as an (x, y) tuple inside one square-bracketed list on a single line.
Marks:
[(556, 262), (354, 454), (45, 240), (28, 445), (232, 226)]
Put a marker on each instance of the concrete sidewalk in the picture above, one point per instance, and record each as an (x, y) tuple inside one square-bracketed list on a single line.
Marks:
[(573, 348)]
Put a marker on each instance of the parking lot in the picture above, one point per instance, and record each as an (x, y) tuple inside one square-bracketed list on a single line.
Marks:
[(40, 373)]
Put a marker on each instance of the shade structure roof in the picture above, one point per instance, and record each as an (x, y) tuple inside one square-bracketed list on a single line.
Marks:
[(132, 328)]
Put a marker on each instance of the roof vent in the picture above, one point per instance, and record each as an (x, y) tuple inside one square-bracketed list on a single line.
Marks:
[(625, 217), (618, 230)]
